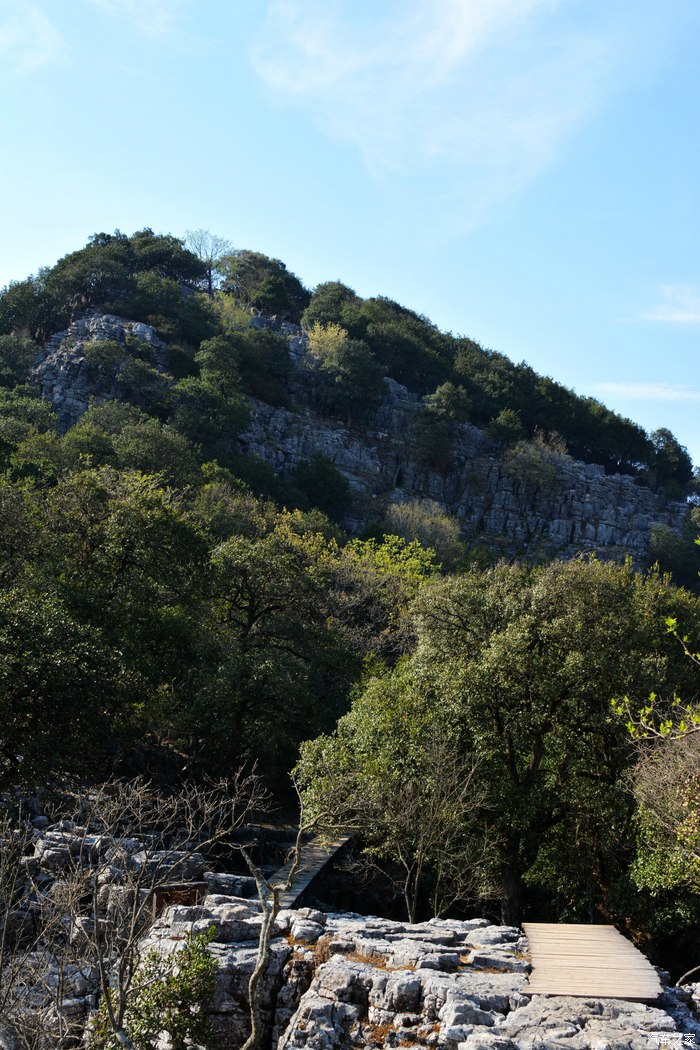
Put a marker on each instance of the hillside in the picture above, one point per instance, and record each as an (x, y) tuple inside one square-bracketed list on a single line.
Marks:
[(247, 524), (529, 498), (367, 393)]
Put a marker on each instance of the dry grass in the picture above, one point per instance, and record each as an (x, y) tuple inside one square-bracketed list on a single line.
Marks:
[(376, 960), (376, 1033), (320, 949), (464, 961), (321, 953)]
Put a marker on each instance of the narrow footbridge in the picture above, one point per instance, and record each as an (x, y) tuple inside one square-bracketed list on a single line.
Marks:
[(313, 858), (588, 960)]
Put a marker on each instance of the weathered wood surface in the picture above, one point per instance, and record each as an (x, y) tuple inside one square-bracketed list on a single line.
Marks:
[(573, 959), (314, 856)]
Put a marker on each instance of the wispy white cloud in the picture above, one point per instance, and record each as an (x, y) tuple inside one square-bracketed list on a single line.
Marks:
[(28, 39), (151, 18), (482, 93), (680, 305), (649, 391)]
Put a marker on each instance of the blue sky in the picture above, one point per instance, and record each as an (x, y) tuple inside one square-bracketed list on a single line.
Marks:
[(525, 172)]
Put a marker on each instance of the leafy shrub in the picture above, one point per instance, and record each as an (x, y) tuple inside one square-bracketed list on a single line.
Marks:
[(678, 554), (352, 382), (25, 404), (23, 413), (205, 414), (255, 280), (506, 426), (321, 485), (326, 341), (255, 361), (449, 402), (538, 465), (264, 365), (105, 354), (433, 441), (426, 521), (145, 385), (177, 312), (169, 996), (328, 304), (16, 355)]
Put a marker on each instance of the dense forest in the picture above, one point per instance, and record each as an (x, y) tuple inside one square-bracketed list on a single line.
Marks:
[(170, 608)]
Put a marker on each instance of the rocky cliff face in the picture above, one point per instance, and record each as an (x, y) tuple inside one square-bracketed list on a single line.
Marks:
[(71, 378), (559, 510), (558, 507)]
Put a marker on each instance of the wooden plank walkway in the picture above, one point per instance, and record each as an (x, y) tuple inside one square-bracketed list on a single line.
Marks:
[(582, 959), (314, 856)]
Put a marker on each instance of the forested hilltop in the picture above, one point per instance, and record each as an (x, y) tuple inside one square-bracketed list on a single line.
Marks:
[(173, 604), (195, 297)]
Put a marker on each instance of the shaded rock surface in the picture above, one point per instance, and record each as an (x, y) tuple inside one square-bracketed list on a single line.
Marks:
[(585, 509)]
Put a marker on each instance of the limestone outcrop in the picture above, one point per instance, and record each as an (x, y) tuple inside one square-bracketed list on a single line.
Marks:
[(352, 981), (334, 979), (570, 507), (581, 508), (70, 377)]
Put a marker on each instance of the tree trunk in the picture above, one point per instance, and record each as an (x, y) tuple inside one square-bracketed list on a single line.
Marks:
[(511, 892), (268, 898), (270, 909)]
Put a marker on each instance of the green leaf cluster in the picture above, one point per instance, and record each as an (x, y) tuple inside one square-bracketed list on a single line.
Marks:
[(170, 997), (153, 610)]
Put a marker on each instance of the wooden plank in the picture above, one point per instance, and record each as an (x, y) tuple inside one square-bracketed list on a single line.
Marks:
[(313, 858), (587, 960)]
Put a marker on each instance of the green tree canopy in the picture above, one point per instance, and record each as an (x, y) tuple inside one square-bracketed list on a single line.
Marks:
[(264, 283), (672, 464), (521, 665), (328, 303), (394, 772), (59, 686), (322, 485), (102, 274), (351, 380)]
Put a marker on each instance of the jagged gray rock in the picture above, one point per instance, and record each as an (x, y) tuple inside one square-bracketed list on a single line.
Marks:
[(382, 463), (70, 381), (370, 982), (347, 980)]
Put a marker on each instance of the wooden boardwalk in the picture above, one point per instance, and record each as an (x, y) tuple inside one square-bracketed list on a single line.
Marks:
[(314, 856), (597, 961)]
